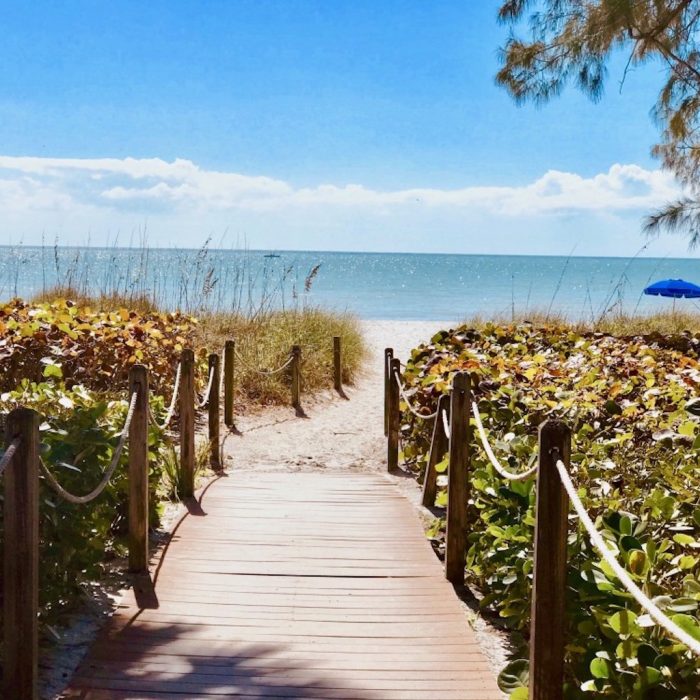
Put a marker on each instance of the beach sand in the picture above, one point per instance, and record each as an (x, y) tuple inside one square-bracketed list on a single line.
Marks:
[(336, 434)]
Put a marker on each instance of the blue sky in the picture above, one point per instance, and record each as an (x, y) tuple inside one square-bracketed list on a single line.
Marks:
[(303, 124)]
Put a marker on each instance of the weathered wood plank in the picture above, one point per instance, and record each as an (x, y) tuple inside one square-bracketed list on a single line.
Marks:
[(294, 586)]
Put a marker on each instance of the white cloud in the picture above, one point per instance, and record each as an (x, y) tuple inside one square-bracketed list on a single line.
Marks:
[(42, 183), (181, 203)]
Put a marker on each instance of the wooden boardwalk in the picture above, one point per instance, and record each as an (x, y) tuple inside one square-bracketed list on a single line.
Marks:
[(292, 585)]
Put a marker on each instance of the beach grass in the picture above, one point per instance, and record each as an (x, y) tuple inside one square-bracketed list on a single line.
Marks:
[(669, 322), (264, 343)]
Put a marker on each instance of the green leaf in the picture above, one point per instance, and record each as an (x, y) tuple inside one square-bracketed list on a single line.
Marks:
[(53, 371), (688, 624), (623, 622), (600, 668), (515, 675), (519, 694)]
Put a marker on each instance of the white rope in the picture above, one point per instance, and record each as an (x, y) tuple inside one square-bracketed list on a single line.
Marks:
[(414, 411), (171, 409), (265, 373), (520, 476), (9, 454), (173, 402), (106, 478), (654, 612), (445, 423), (205, 398)]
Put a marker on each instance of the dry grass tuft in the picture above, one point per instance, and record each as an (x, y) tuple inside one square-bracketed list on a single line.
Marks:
[(266, 341)]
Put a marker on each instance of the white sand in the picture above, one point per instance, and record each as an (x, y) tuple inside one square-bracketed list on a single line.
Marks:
[(336, 433)]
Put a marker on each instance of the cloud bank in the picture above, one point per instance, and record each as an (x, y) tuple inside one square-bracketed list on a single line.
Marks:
[(102, 193), (36, 183)]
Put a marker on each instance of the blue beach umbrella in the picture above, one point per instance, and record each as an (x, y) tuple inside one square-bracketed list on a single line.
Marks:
[(676, 289)]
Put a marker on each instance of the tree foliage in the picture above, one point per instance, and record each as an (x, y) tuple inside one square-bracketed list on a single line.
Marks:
[(571, 41)]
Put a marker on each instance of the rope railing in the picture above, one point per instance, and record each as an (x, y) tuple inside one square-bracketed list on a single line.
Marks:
[(597, 540), (23, 469), (265, 372), (505, 473), (446, 423), (554, 493), (407, 401), (207, 391), (8, 454), (173, 402), (109, 473)]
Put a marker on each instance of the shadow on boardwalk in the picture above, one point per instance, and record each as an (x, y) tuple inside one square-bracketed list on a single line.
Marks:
[(161, 661)]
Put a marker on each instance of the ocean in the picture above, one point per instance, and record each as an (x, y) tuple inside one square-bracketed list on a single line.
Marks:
[(370, 285)]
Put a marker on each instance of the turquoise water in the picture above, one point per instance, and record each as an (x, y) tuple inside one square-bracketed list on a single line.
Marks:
[(371, 285)]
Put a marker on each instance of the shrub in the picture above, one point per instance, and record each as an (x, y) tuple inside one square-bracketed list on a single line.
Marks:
[(632, 405), (79, 432), (92, 348)]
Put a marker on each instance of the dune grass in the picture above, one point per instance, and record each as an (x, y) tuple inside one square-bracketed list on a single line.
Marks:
[(620, 325), (264, 342)]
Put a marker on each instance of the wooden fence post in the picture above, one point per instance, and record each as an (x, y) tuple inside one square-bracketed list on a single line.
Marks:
[(438, 447), (138, 471), (394, 415), (187, 394), (229, 364), (21, 559), (388, 357), (337, 364), (458, 479), (214, 414), (296, 376), (549, 583)]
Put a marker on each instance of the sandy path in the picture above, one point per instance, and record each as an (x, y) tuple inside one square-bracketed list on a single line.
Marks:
[(336, 434)]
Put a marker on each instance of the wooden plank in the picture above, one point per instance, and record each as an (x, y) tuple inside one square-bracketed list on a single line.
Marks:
[(294, 586)]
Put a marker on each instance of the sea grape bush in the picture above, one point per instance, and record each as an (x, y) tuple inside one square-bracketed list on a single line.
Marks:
[(79, 432), (93, 348), (71, 365), (633, 407)]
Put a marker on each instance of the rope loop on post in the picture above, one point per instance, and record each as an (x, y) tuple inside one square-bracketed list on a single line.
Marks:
[(410, 407), (107, 477), (659, 617), (513, 476), (207, 392), (173, 402), (446, 423)]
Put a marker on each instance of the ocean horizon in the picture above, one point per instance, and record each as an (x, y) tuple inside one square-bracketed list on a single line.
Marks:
[(371, 285)]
